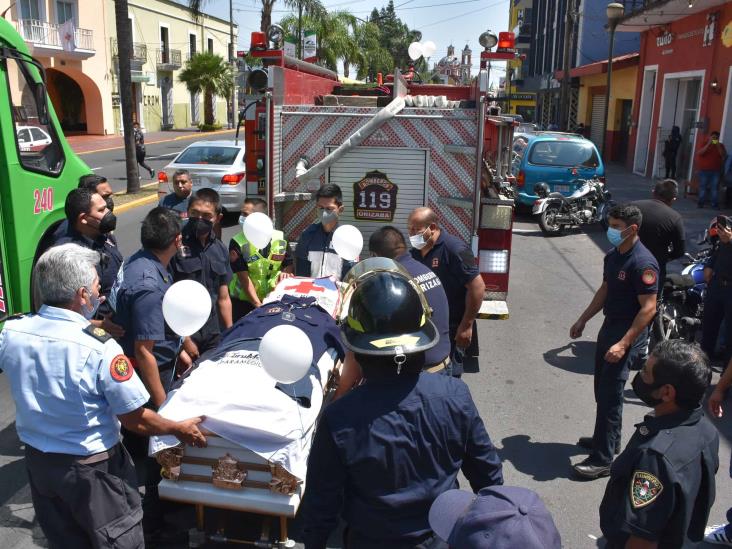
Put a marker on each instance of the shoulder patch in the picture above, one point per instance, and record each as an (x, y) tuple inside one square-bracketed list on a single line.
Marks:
[(649, 276), (644, 489), (98, 333), (121, 368)]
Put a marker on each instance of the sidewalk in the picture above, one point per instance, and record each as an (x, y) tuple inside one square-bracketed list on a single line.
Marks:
[(84, 144), (626, 186)]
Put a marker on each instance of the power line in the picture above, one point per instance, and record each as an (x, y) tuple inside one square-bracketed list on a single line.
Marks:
[(463, 14)]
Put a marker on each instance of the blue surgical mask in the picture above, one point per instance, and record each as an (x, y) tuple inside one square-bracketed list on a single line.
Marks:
[(615, 236), (95, 301)]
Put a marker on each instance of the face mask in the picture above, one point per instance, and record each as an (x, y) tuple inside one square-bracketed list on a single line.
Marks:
[(417, 241), (615, 236), (328, 216), (110, 203), (643, 391), (94, 301), (242, 219), (108, 223), (199, 227)]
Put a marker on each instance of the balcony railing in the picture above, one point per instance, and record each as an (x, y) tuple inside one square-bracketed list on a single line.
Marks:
[(43, 33), (168, 59), (138, 54)]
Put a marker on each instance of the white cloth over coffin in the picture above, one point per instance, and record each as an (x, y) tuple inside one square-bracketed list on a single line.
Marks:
[(242, 405)]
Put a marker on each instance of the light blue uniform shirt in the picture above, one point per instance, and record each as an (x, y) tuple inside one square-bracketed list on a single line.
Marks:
[(60, 377)]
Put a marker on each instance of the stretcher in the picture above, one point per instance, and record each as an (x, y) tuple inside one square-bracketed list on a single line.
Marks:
[(259, 435)]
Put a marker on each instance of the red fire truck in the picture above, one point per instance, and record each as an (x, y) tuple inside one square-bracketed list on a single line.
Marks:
[(390, 148)]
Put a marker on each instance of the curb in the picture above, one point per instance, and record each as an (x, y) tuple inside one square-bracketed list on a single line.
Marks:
[(136, 203), (180, 137)]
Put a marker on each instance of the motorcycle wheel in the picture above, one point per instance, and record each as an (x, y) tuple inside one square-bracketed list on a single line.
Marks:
[(665, 325), (548, 221)]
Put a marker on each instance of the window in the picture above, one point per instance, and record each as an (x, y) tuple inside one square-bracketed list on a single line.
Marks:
[(564, 153), (164, 45), (208, 155), (210, 45), (192, 44), (29, 10), (39, 149), (64, 12)]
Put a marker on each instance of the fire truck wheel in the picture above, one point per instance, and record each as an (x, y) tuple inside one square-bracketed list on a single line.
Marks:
[(548, 221)]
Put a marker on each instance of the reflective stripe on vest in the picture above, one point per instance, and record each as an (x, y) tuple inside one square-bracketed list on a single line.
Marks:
[(263, 271)]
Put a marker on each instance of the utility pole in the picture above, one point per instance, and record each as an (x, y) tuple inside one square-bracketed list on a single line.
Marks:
[(568, 39), (299, 30), (232, 61), (124, 53)]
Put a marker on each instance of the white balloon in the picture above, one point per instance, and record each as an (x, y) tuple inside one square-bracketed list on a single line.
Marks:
[(415, 51), (429, 48), (348, 242), (286, 353), (258, 229), (186, 307)]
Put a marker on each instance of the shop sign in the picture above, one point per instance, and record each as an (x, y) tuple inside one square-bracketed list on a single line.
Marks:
[(664, 40)]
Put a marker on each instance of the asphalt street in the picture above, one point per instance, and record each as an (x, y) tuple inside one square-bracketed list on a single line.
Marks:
[(111, 163), (532, 385)]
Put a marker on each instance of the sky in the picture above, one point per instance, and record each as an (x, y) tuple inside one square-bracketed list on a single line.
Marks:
[(445, 22)]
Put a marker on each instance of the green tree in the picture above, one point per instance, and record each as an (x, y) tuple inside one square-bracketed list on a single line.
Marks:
[(394, 37), (210, 74)]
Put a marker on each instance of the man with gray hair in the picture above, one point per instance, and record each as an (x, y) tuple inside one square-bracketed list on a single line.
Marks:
[(73, 386)]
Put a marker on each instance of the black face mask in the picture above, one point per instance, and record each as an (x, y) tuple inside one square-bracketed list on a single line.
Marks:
[(107, 224), (110, 203), (643, 391), (198, 227)]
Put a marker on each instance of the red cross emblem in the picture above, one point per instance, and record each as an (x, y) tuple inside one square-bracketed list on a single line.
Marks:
[(306, 286)]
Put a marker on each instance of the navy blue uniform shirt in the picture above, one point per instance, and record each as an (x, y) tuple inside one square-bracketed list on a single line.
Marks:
[(431, 285), (454, 263), (138, 296), (661, 487), (386, 450), (110, 261), (174, 202), (628, 275), (209, 265), (721, 262), (316, 256)]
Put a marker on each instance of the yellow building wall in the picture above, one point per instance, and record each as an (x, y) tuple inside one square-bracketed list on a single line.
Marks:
[(622, 87)]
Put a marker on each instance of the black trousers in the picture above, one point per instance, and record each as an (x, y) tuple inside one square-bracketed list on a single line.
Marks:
[(354, 540), (671, 167), (609, 383), (717, 313), (140, 157), (86, 506)]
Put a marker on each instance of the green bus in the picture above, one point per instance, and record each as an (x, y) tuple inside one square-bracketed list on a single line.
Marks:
[(37, 170)]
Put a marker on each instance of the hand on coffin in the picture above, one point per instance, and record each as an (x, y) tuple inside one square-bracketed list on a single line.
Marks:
[(191, 348), (183, 364), (187, 431)]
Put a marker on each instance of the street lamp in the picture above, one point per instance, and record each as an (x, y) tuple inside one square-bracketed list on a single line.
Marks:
[(614, 12)]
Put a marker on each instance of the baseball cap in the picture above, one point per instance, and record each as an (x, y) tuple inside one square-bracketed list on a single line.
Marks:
[(497, 517)]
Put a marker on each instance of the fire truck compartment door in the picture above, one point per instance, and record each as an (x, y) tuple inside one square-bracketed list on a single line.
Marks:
[(381, 186)]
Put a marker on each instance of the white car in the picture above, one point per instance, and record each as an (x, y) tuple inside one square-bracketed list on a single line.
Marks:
[(219, 165), (32, 138)]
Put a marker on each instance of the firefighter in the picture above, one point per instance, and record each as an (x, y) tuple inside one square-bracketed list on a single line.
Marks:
[(256, 272), (627, 297), (401, 415), (315, 256), (454, 263)]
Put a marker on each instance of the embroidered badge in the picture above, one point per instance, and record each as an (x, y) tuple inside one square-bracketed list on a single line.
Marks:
[(643, 430), (121, 369), (644, 489), (99, 332), (649, 277), (275, 310), (435, 262), (621, 275)]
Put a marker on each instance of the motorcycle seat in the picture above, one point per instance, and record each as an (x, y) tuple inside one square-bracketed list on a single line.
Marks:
[(560, 196), (680, 281)]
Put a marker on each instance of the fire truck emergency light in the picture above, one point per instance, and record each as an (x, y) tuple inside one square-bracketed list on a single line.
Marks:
[(506, 41), (258, 42)]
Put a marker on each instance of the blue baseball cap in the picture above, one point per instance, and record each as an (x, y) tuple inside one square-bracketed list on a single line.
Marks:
[(497, 517)]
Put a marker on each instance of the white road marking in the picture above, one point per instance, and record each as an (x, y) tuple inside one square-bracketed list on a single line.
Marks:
[(99, 168)]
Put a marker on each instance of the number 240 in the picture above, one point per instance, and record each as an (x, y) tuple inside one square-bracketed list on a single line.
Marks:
[(43, 200)]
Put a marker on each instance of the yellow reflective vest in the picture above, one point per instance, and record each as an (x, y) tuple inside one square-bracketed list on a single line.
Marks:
[(263, 271)]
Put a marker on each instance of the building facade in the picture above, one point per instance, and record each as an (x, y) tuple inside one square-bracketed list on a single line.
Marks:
[(75, 40), (518, 96), (684, 79), (582, 25), (453, 69)]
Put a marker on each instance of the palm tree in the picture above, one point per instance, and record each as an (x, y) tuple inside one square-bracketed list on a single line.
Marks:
[(210, 74)]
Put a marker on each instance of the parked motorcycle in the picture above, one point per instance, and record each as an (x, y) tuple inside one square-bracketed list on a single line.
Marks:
[(590, 203)]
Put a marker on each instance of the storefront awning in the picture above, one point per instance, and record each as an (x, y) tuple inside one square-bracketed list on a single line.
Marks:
[(662, 12), (600, 67)]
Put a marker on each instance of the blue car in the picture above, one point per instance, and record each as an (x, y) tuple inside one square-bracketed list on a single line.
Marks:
[(557, 159)]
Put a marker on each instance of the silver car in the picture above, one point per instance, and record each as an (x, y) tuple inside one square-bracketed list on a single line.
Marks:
[(218, 165)]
